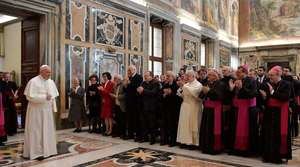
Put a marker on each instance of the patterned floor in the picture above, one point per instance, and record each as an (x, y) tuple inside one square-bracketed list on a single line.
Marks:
[(147, 157), (93, 150), (68, 145)]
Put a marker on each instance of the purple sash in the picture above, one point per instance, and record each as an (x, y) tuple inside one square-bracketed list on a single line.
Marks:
[(242, 125), (217, 106)]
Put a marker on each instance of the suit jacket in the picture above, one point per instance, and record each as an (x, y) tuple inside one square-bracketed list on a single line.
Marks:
[(131, 93), (120, 96), (150, 95)]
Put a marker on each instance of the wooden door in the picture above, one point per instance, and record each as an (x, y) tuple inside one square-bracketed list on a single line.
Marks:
[(30, 61)]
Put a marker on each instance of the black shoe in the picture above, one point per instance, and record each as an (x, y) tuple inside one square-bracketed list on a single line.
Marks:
[(40, 158), (2, 144), (191, 147), (76, 130), (114, 135), (136, 139), (79, 130), (172, 144), (152, 141), (162, 143), (125, 138)]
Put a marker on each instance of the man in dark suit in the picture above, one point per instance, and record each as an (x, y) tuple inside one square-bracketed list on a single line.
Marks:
[(261, 75), (148, 93), (170, 110), (287, 76), (133, 81), (261, 82), (9, 97)]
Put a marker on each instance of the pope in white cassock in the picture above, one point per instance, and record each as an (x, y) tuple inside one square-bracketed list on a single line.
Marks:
[(40, 133), (190, 112)]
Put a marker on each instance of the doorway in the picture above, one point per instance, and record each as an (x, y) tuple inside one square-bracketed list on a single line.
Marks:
[(19, 58)]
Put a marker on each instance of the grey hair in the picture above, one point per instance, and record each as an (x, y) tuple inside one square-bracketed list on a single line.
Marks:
[(190, 73), (44, 67), (118, 76), (171, 73)]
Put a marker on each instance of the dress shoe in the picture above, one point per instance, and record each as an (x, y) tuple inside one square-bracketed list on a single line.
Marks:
[(172, 144), (40, 158), (152, 142)]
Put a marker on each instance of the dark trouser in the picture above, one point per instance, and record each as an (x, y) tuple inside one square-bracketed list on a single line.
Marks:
[(94, 120), (10, 121), (132, 120), (120, 118), (253, 131), (228, 130), (169, 126), (294, 122), (148, 122)]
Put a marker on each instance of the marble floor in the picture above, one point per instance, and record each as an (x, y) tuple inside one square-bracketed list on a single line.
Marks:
[(94, 150)]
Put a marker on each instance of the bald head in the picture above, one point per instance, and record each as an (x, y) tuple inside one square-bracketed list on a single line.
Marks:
[(45, 71)]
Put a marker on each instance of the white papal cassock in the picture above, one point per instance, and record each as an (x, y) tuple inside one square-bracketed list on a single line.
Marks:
[(190, 114), (40, 133)]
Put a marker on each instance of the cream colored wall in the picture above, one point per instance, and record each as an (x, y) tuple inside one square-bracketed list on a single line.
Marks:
[(12, 49)]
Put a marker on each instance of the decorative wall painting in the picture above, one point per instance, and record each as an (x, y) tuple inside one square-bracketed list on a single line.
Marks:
[(274, 19), (114, 63), (189, 50), (109, 29), (192, 6), (224, 56), (210, 12), (223, 14), (137, 61), (77, 19), (135, 35), (234, 18)]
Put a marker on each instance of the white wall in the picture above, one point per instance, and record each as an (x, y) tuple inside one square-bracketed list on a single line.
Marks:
[(12, 49)]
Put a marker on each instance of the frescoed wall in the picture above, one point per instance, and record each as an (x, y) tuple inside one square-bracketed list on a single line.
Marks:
[(271, 20), (274, 19), (234, 18), (191, 6), (210, 12)]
